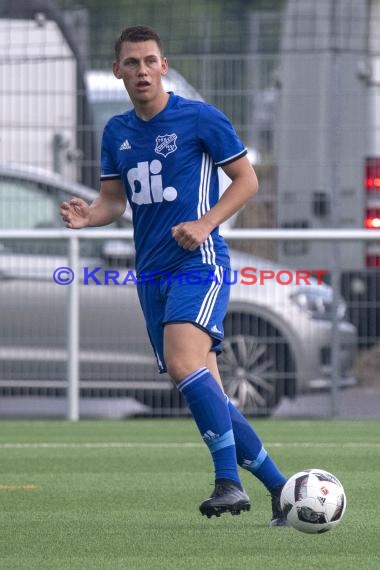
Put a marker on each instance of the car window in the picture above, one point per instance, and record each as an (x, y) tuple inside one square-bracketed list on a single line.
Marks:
[(24, 206)]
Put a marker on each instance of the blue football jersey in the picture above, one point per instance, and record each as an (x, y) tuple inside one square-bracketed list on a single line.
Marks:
[(168, 166)]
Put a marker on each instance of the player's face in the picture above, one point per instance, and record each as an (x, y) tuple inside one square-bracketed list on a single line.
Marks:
[(141, 67)]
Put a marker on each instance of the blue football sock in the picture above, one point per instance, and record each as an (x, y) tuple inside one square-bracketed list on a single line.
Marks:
[(209, 408), (250, 452)]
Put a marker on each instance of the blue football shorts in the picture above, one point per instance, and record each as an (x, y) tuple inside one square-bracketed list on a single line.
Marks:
[(197, 295)]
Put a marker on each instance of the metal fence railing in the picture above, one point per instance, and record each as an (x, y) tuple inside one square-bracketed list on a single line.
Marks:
[(285, 331)]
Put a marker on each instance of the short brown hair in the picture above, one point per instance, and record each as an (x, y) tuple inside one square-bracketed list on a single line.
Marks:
[(137, 34)]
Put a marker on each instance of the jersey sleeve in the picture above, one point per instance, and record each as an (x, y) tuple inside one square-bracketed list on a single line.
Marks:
[(108, 168), (218, 137)]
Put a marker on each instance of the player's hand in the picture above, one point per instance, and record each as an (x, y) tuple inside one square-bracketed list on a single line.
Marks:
[(191, 235), (76, 213)]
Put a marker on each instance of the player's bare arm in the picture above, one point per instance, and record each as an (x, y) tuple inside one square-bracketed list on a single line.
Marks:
[(105, 209), (244, 185)]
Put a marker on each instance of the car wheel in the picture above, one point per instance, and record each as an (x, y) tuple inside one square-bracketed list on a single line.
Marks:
[(256, 364)]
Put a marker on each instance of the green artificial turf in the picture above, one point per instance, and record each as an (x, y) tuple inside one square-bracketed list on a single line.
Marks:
[(125, 495)]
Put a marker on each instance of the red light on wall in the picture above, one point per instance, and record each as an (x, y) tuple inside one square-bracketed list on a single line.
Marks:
[(372, 183), (372, 173), (372, 219), (373, 260), (372, 223)]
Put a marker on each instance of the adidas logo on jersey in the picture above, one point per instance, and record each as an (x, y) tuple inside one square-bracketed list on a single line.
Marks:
[(146, 184), (215, 329), (125, 145)]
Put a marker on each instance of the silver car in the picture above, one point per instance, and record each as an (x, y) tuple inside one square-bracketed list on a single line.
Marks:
[(278, 336)]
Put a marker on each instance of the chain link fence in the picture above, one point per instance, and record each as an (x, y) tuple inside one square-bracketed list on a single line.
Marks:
[(300, 80)]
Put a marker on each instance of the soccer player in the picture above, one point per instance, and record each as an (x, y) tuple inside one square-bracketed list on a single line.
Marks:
[(163, 157)]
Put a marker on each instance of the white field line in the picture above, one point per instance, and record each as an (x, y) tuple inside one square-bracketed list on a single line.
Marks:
[(177, 445)]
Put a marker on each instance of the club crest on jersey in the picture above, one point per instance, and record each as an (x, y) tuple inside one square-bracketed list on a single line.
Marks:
[(165, 144)]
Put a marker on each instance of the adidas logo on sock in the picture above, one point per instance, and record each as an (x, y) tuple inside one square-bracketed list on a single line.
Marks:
[(125, 145), (209, 435)]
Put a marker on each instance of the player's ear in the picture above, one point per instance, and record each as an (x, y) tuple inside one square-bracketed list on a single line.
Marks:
[(164, 66), (116, 69)]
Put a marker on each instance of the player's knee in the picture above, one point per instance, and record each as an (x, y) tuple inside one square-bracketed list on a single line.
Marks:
[(175, 367), (179, 367)]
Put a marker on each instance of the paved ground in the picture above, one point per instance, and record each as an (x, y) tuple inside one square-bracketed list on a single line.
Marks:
[(352, 403)]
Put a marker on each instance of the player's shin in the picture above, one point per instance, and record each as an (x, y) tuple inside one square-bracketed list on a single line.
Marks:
[(210, 412), (250, 452)]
